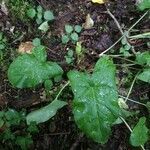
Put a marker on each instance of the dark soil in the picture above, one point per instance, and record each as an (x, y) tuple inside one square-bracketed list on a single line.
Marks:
[(61, 133)]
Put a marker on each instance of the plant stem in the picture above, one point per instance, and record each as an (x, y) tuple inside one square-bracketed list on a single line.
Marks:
[(116, 21), (111, 46), (138, 21), (62, 90), (133, 101), (121, 57), (120, 29), (131, 87), (127, 125), (140, 36), (123, 34), (125, 65)]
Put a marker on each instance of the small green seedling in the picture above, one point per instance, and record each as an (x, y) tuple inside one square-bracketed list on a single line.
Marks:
[(48, 85), (10, 123), (79, 51), (125, 47), (69, 56), (36, 42), (144, 60), (139, 135), (72, 34), (42, 17)]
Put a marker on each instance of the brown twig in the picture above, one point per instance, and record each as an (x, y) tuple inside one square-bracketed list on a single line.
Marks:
[(123, 35), (116, 21)]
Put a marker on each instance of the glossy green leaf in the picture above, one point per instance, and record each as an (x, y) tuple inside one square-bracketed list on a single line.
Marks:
[(143, 4), (68, 28), (48, 85), (36, 42), (145, 75), (70, 53), (78, 28), (143, 58), (39, 9), (45, 113), (65, 39), (48, 15), (74, 36), (124, 41), (139, 136), (38, 21), (31, 13), (40, 53), (27, 71), (44, 26), (95, 104)]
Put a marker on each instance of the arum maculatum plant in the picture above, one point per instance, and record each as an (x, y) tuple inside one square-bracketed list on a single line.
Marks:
[(95, 104)]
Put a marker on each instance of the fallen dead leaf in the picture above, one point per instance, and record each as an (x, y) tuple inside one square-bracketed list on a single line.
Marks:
[(89, 23), (25, 47)]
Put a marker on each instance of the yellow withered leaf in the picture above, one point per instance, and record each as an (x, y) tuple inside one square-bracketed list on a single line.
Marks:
[(98, 1)]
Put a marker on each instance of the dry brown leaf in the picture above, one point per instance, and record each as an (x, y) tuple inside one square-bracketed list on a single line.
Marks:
[(25, 47), (89, 23)]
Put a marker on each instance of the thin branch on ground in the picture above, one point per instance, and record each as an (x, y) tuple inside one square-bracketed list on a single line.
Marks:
[(138, 21), (131, 100), (116, 21), (124, 35), (120, 57), (131, 87), (62, 90), (111, 46), (120, 29)]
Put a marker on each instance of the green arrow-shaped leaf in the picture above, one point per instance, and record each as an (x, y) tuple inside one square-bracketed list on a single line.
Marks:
[(95, 105)]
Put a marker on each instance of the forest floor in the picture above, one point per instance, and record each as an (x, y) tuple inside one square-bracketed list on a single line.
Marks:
[(110, 20)]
